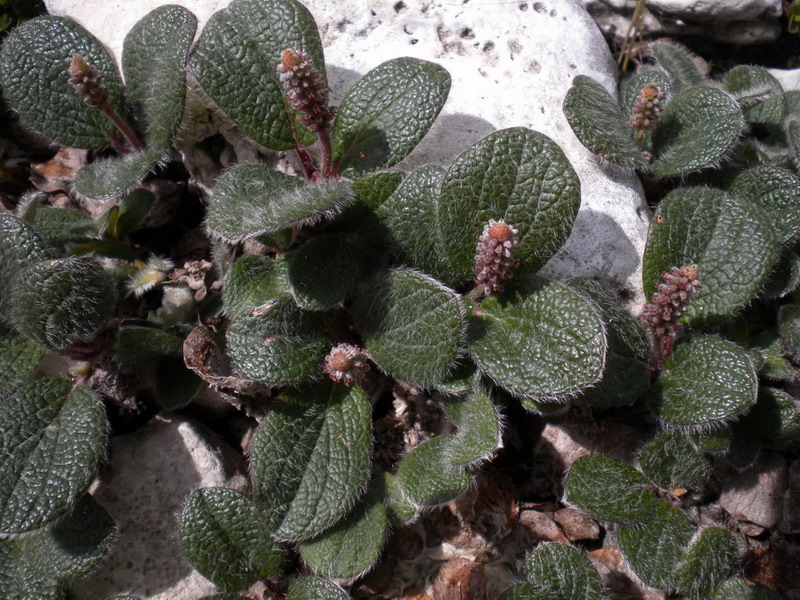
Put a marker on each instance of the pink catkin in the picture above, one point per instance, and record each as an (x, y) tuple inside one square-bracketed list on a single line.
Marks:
[(305, 90), (494, 256), (670, 300), (346, 364), (647, 108)]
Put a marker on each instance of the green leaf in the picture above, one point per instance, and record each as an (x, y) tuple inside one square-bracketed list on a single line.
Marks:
[(671, 462), (386, 113), (57, 302), (132, 211), (19, 360), (712, 555), (610, 489), (791, 125), (546, 342), (175, 384), (18, 581), (153, 62), (60, 227), (140, 346), (600, 125), (741, 589), (224, 537), (20, 247), (696, 130), (54, 437), (310, 458), (322, 272), (110, 178), (727, 238), (784, 277), (247, 88), (631, 89), (758, 92), (352, 546), (398, 507), (655, 549), (374, 189), (309, 587), (789, 328), (774, 192), (774, 416), (707, 381), (34, 76), (278, 343), (410, 215), (517, 175), (479, 430), (560, 572), (678, 63), (413, 325), (427, 477), (525, 591), (254, 280), (776, 366), (73, 546), (461, 379), (625, 377), (250, 200)]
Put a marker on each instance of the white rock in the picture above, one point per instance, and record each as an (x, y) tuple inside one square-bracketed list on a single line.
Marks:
[(149, 478), (718, 10), (788, 78), (757, 494), (512, 64)]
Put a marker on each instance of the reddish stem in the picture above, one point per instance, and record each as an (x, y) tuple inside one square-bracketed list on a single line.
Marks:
[(328, 170), (122, 126)]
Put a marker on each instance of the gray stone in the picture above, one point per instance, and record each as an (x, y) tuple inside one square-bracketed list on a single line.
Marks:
[(512, 64), (719, 10), (757, 494), (150, 475), (788, 78)]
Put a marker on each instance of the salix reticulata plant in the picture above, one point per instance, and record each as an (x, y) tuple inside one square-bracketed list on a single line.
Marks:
[(349, 279)]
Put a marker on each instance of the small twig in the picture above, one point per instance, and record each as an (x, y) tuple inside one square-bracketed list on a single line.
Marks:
[(630, 35)]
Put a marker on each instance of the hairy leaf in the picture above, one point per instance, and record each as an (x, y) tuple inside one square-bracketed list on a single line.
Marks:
[(110, 178), (352, 546), (34, 75), (19, 359), (278, 343), (386, 113), (710, 558), (154, 62), (20, 247), (53, 438), (310, 458), (427, 477), (413, 325), (18, 581), (249, 200), (517, 175), (696, 130), (707, 381), (727, 238), (479, 429), (322, 272), (309, 587), (544, 341), (678, 63), (774, 192), (561, 572), (758, 92), (247, 89), (600, 125), (671, 462), (741, 589), (655, 549), (57, 302), (224, 537), (610, 489)]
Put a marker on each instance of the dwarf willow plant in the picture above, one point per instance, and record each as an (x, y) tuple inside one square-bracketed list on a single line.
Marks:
[(350, 276)]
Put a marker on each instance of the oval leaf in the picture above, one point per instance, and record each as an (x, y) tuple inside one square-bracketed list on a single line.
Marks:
[(19, 359), (413, 325), (322, 272), (426, 476), (54, 436), (727, 238), (252, 281), (610, 489), (758, 92), (386, 113), (655, 549), (560, 572), (247, 88), (219, 523), (278, 343), (57, 302), (520, 176), (710, 559), (546, 343), (309, 587), (18, 581), (671, 462), (707, 381), (311, 457), (110, 178), (479, 430), (352, 546), (774, 192), (599, 124), (154, 62), (250, 200), (696, 130), (20, 247), (34, 76)]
